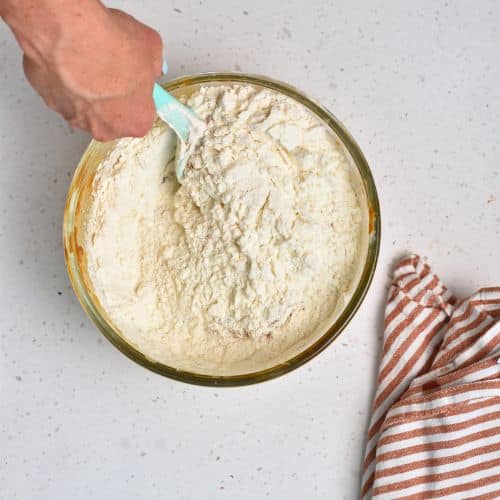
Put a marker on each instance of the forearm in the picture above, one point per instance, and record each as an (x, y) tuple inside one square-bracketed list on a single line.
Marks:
[(38, 24)]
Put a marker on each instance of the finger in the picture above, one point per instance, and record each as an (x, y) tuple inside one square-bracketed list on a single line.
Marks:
[(79, 122), (117, 118), (101, 132), (142, 120)]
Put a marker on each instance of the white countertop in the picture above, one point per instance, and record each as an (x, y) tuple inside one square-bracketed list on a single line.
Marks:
[(418, 85)]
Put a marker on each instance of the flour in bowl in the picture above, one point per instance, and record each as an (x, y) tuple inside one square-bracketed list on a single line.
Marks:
[(247, 257)]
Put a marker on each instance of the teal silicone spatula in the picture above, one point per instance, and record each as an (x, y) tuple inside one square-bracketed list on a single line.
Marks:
[(182, 120)]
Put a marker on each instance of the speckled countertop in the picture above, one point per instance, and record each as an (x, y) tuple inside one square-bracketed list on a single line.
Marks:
[(417, 85)]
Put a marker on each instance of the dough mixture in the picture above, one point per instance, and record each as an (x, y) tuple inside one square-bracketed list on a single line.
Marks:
[(248, 256)]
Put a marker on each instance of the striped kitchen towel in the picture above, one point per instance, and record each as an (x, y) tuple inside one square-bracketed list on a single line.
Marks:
[(435, 424)]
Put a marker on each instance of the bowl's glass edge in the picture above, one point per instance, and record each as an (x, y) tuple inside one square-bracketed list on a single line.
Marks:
[(71, 250)]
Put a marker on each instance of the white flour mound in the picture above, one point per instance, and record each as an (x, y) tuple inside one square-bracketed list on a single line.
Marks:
[(248, 256)]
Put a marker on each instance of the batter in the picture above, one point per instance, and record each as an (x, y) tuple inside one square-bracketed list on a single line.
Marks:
[(248, 256)]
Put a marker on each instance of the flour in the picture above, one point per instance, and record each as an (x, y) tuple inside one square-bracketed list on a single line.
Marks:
[(248, 256)]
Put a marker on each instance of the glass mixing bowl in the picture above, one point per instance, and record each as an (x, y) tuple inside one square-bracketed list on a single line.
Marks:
[(80, 196)]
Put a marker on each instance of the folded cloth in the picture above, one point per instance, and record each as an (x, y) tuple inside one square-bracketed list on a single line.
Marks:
[(435, 424)]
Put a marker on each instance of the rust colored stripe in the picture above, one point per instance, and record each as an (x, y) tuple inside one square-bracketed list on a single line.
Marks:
[(367, 486), (455, 351), (490, 290), (452, 391), (470, 307), (488, 302), (369, 458), (429, 287), (435, 462), (396, 355), (439, 429), (438, 445), (404, 301), (446, 410), (407, 261), (409, 364), (450, 490), (451, 409), (410, 285), (420, 295), (375, 427), (431, 385), (483, 315), (431, 478), (465, 343), (397, 310), (405, 289), (485, 350), (418, 279), (431, 359), (393, 293), (492, 495), (432, 284), (459, 318), (405, 323)]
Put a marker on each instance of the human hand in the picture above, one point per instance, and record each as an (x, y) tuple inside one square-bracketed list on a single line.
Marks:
[(95, 66)]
